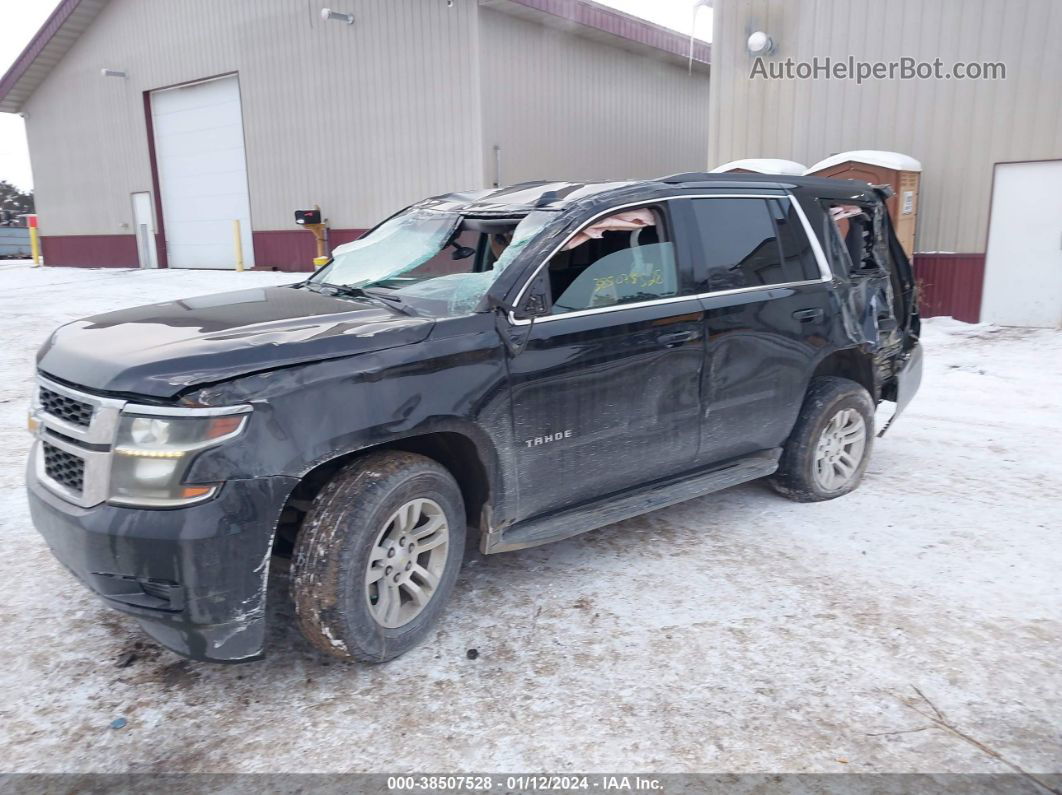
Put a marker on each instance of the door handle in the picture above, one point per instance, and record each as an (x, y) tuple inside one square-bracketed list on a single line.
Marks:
[(808, 315), (675, 338)]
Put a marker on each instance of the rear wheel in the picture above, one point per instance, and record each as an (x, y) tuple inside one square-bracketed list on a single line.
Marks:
[(378, 555), (829, 448)]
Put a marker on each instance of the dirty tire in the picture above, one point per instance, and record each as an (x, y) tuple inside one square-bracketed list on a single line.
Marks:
[(826, 397), (332, 553)]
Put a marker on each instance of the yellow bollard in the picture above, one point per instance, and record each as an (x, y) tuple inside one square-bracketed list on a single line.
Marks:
[(35, 241), (237, 240)]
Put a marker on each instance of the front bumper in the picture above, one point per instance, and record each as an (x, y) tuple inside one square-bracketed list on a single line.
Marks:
[(194, 577)]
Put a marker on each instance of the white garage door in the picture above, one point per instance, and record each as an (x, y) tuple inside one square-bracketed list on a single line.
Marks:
[(202, 173), (1023, 264)]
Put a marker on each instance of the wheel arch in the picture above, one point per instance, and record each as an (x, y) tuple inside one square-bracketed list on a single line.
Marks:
[(854, 364), (472, 462)]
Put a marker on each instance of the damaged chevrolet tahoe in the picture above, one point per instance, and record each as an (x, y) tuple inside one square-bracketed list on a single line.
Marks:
[(522, 364)]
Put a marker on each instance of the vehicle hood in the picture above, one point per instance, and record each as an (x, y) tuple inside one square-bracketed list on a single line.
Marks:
[(162, 349)]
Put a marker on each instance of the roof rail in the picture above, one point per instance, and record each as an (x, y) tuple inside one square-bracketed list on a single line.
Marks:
[(686, 176)]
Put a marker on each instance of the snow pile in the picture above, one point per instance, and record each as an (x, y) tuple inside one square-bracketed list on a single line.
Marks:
[(763, 165), (897, 161), (737, 632)]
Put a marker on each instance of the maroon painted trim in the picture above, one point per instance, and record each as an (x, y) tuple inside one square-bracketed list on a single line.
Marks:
[(622, 25), (36, 45), (290, 250), (950, 284), (156, 194), (293, 249), (90, 251)]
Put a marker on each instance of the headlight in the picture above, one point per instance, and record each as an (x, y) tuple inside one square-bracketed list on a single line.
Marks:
[(153, 453)]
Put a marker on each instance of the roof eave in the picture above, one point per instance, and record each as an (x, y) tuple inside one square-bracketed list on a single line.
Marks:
[(602, 22), (55, 37)]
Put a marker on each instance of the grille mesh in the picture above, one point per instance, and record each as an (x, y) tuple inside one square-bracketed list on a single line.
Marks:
[(73, 411), (65, 468)]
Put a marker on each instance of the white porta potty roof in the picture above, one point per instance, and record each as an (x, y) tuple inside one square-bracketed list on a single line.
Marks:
[(894, 160), (763, 165)]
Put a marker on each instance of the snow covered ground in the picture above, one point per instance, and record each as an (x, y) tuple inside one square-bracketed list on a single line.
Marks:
[(734, 633)]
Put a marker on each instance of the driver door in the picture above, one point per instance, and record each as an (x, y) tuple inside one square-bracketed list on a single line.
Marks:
[(606, 392)]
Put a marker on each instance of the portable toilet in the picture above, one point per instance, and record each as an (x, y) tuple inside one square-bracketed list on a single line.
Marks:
[(900, 171), (761, 165)]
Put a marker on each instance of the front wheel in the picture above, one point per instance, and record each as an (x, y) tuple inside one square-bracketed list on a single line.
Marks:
[(378, 555), (828, 451)]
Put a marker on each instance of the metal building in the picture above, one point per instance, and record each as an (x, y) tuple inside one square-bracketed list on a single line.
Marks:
[(153, 126), (991, 149)]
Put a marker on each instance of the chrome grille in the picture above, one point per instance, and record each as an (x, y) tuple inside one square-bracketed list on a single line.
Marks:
[(66, 408), (64, 468), (76, 433)]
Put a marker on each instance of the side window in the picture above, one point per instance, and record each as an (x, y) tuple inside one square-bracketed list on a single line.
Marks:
[(850, 230), (752, 243), (622, 258), (800, 263), (738, 243)]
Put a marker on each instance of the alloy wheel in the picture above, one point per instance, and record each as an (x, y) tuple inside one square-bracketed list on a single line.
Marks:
[(840, 449), (407, 562)]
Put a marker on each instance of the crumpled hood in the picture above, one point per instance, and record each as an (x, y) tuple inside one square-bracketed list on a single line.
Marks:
[(162, 349)]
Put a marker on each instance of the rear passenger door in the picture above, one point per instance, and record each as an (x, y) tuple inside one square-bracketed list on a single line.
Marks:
[(766, 298)]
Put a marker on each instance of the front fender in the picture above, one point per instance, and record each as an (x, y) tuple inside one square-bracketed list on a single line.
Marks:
[(306, 416)]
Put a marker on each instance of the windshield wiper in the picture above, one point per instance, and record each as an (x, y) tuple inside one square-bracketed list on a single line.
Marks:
[(346, 291)]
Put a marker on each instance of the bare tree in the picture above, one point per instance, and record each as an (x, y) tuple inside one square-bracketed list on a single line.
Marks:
[(13, 203)]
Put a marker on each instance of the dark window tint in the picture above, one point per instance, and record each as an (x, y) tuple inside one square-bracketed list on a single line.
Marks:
[(741, 247), (800, 263)]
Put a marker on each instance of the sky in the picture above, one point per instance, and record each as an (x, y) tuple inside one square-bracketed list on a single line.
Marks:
[(22, 19)]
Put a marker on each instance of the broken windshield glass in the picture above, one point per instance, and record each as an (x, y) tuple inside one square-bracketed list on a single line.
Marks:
[(438, 261), (396, 247)]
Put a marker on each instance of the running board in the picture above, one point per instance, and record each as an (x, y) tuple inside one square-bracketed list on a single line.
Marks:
[(612, 509)]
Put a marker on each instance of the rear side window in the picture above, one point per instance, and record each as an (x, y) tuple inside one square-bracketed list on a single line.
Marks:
[(850, 230), (752, 243), (800, 263)]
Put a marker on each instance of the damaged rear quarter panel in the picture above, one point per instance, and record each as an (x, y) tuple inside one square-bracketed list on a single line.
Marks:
[(875, 308)]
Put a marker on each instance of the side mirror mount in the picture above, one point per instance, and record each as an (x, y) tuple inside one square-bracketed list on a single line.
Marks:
[(532, 305), (535, 300)]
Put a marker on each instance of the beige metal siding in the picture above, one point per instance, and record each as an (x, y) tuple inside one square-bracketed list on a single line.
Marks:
[(398, 90), (957, 128), (567, 107)]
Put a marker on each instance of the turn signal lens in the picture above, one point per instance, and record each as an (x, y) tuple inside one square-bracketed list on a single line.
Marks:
[(223, 426), (191, 492), (32, 423)]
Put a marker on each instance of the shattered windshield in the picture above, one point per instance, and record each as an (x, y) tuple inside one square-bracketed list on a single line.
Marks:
[(441, 263)]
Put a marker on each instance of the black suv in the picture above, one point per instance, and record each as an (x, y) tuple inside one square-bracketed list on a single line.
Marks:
[(524, 363)]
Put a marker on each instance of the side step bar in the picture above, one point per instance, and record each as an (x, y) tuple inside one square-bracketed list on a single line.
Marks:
[(612, 509)]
